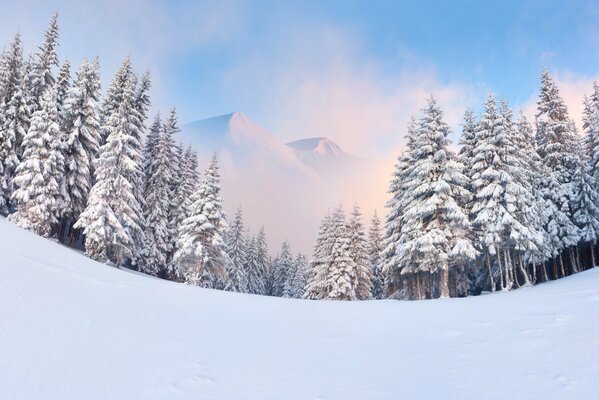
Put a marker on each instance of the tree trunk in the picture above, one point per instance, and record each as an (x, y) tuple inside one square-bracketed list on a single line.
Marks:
[(561, 264), (593, 254), (523, 271), (534, 272), (444, 287), (501, 280), (513, 273), (491, 280), (554, 264), (544, 271)]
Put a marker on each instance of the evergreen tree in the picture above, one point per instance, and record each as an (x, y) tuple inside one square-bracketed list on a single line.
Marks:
[(200, 254), (264, 262), (39, 197), (237, 277), (186, 185), (435, 232), (375, 256), (358, 253), (158, 232), (112, 219), (82, 124), (468, 142), (300, 277), (283, 267), (253, 267), (14, 119), (40, 76), (557, 149), (63, 84)]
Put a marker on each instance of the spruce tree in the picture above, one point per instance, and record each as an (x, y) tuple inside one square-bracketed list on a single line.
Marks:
[(435, 231), (253, 268), (200, 254), (14, 119), (263, 260), (112, 219), (359, 255), (40, 76), (283, 267), (40, 197), (237, 277), (82, 124), (557, 149), (375, 256), (300, 277)]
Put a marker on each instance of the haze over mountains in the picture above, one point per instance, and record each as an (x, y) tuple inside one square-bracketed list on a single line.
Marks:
[(283, 186)]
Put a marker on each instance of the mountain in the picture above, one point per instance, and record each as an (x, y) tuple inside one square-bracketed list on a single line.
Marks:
[(72, 328), (324, 156), (286, 188)]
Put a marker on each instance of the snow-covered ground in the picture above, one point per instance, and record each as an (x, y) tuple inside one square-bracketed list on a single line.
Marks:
[(71, 328)]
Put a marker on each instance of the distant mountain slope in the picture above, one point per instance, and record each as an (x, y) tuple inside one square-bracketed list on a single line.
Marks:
[(72, 329), (324, 156)]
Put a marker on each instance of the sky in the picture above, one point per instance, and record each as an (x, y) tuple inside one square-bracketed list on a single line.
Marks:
[(353, 71)]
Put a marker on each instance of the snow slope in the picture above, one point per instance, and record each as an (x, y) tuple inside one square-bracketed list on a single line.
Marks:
[(325, 156), (71, 328)]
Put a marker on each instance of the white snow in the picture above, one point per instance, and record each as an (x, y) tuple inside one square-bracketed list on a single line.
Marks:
[(71, 328)]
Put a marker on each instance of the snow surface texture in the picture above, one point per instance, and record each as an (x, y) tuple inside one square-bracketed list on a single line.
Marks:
[(71, 328)]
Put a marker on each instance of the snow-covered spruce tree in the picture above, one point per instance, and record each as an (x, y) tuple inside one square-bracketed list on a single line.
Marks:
[(375, 256), (253, 268), (283, 268), (200, 254), (175, 178), (82, 124), (532, 172), (501, 197), (237, 277), (318, 267), (186, 185), (149, 149), (63, 84), (113, 217), (40, 76), (115, 94), (585, 206), (39, 198), (158, 238), (435, 235), (401, 189), (590, 118), (358, 253), (331, 275), (264, 261), (14, 118), (557, 149), (300, 277), (468, 141)]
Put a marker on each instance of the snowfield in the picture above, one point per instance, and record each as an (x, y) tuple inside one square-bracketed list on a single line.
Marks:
[(71, 328)]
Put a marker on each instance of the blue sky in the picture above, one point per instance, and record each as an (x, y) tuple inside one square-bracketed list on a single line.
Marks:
[(350, 70)]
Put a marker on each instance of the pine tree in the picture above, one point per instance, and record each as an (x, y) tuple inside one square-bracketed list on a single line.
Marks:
[(590, 119), (435, 232), (158, 238), (63, 84), (200, 254), (14, 119), (375, 256), (40, 76), (112, 219), (557, 149), (264, 262), (237, 277), (39, 197), (300, 277), (358, 253), (468, 142), (186, 186), (401, 189), (82, 124), (253, 268), (282, 268)]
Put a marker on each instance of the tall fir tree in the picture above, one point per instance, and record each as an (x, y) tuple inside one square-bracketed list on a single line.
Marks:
[(40, 76), (435, 231), (283, 268), (112, 219), (253, 268), (14, 119), (298, 283), (375, 256), (40, 197), (358, 253), (201, 255), (82, 124), (237, 277)]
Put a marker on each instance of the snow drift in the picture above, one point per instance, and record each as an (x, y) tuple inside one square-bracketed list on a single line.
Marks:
[(71, 328)]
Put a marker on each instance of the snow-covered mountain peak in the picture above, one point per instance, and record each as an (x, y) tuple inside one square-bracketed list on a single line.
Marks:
[(321, 146)]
